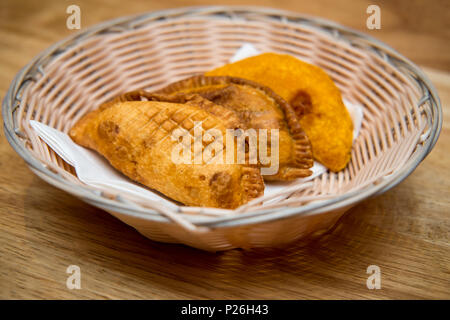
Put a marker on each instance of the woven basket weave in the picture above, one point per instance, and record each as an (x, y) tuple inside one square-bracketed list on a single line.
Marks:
[(402, 114)]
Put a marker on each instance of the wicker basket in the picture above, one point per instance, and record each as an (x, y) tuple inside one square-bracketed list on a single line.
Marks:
[(402, 114)]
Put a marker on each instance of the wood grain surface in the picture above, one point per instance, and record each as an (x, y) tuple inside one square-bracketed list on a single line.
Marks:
[(405, 231)]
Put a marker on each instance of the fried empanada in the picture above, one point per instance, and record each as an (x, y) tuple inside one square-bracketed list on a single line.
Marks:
[(312, 94), (137, 138), (258, 107)]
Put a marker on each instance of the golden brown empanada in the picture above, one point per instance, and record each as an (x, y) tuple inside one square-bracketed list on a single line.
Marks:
[(258, 107), (311, 93), (137, 138)]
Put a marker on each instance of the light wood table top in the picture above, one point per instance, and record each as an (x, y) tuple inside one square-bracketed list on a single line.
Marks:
[(405, 231)]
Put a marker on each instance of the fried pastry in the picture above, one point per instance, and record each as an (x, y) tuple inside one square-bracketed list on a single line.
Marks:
[(311, 93), (258, 107), (137, 138), (229, 118)]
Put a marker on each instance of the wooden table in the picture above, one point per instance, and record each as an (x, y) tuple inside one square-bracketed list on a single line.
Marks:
[(405, 232)]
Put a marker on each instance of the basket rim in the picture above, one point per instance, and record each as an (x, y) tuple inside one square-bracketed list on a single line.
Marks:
[(341, 32)]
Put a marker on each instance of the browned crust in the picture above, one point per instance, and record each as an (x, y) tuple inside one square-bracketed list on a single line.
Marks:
[(201, 81), (302, 149), (230, 117), (252, 183)]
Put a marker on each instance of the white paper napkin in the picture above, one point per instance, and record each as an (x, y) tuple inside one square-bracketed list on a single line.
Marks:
[(92, 169)]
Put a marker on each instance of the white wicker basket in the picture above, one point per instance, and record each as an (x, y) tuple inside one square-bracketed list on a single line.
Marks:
[(402, 113)]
